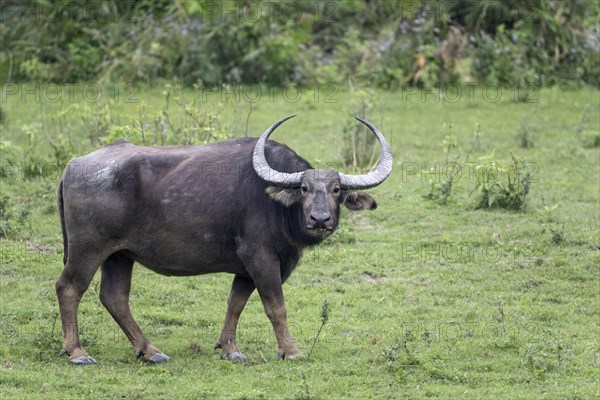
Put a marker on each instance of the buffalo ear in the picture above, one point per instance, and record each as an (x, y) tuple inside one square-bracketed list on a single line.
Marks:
[(357, 201), (287, 197)]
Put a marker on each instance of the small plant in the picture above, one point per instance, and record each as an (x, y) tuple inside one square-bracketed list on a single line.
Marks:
[(47, 336), (496, 191), (13, 217), (476, 139), (23, 161), (591, 139), (32, 163), (306, 395), (97, 119), (558, 235), (441, 186), (548, 353), (62, 146), (196, 126), (395, 352), (547, 213), (10, 158), (359, 149), (324, 319), (524, 135)]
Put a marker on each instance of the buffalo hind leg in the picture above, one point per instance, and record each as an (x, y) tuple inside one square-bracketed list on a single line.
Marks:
[(241, 289), (265, 270), (114, 295), (70, 287)]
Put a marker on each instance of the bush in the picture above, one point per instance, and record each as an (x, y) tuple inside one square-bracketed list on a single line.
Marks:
[(554, 42), (46, 148), (359, 148), (13, 217), (199, 125), (502, 187), (441, 186), (383, 43)]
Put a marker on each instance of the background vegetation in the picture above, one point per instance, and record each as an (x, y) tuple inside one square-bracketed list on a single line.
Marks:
[(385, 43)]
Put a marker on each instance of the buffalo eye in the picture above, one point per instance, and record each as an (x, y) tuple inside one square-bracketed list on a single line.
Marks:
[(304, 188), (336, 190)]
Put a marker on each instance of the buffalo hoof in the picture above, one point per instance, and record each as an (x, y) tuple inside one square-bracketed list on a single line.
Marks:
[(235, 356), (83, 360), (291, 357), (159, 358)]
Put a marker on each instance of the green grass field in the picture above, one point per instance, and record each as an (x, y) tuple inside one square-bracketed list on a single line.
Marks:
[(426, 300)]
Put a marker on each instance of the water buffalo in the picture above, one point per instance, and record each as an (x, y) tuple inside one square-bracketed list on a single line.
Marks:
[(243, 206)]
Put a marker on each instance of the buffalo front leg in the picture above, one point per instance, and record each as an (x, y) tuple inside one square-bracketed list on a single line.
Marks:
[(266, 273), (114, 294), (241, 289), (271, 295)]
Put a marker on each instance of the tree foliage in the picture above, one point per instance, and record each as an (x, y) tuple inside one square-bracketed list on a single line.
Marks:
[(384, 43)]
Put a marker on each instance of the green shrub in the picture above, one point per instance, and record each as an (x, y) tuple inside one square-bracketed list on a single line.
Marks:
[(359, 148), (441, 186), (501, 186), (13, 217), (546, 42), (199, 124)]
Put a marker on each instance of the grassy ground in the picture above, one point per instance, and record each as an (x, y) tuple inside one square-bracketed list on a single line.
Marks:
[(427, 300)]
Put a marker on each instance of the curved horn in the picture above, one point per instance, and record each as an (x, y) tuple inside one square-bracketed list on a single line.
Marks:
[(262, 168), (382, 171)]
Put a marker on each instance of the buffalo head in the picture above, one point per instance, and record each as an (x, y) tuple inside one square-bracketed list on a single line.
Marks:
[(319, 192)]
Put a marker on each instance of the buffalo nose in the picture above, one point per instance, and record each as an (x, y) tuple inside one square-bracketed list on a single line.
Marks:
[(320, 217)]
